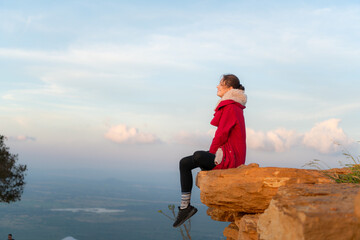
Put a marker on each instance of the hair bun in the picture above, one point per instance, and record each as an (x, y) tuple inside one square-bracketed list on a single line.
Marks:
[(241, 87), (230, 80)]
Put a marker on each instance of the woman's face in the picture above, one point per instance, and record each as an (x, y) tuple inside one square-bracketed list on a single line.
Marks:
[(222, 88)]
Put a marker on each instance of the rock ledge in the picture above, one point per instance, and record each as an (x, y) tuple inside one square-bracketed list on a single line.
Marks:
[(280, 203)]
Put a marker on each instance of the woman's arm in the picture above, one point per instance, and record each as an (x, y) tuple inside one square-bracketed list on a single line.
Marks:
[(226, 123)]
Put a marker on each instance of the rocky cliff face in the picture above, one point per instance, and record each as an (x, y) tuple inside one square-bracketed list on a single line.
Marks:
[(281, 203)]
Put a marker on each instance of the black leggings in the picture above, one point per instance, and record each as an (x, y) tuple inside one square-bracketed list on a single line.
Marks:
[(202, 159)]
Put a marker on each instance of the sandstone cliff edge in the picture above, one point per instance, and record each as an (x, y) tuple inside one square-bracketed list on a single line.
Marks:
[(273, 203)]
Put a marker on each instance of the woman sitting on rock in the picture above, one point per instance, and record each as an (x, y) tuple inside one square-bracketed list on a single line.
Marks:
[(228, 148)]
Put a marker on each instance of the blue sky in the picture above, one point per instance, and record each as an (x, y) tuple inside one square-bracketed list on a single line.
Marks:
[(132, 85)]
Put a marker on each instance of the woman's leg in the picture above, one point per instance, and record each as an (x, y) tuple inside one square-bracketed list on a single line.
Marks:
[(186, 180), (205, 161), (202, 159)]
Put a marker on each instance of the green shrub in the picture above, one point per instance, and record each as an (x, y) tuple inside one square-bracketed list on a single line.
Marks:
[(351, 175)]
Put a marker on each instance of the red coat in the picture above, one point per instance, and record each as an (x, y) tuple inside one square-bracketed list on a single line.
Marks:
[(230, 135)]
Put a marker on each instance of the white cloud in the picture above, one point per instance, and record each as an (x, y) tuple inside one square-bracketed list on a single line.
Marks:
[(322, 11), (326, 136), (197, 138), (11, 21), (158, 51), (247, 40), (8, 97), (22, 138), (124, 134), (278, 140), (253, 40)]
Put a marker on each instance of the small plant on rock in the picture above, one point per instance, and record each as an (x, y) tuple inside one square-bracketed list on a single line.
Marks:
[(351, 175)]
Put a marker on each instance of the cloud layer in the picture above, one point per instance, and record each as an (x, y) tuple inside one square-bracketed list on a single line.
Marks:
[(22, 138), (324, 137), (197, 138), (278, 140), (124, 134)]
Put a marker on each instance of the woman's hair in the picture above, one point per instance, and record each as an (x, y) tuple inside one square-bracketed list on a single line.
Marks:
[(230, 80)]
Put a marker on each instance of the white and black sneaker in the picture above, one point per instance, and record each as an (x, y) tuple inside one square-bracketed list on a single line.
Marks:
[(184, 214)]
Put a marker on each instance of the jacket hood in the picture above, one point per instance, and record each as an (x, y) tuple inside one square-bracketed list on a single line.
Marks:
[(235, 95)]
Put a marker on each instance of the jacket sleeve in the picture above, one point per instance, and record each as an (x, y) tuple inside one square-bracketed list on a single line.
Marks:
[(226, 123)]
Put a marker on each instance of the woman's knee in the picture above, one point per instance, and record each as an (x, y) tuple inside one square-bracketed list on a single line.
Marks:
[(185, 163), (204, 160), (197, 156)]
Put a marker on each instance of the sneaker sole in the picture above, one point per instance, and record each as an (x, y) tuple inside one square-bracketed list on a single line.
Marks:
[(189, 216)]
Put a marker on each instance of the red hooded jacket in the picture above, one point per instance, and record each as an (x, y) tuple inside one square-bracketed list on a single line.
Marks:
[(230, 136)]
